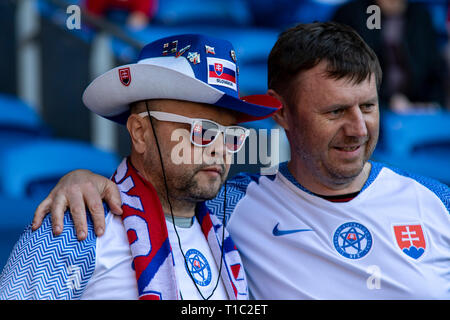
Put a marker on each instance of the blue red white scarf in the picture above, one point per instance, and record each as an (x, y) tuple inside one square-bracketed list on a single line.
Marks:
[(146, 228)]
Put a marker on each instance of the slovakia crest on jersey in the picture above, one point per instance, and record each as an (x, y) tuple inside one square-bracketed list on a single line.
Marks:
[(410, 239), (352, 240)]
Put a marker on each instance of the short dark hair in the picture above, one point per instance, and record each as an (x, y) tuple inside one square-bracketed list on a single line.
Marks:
[(302, 47)]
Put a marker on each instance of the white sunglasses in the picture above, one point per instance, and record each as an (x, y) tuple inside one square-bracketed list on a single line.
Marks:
[(204, 132)]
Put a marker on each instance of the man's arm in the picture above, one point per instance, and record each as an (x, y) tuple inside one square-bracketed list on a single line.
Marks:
[(82, 187), (75, 191), (43, 267)]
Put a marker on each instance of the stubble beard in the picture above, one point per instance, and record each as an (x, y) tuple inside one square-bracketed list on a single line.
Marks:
[(186, 187), (329, 173)]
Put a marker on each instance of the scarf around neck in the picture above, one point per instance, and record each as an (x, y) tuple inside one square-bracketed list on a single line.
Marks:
[(153, 261)]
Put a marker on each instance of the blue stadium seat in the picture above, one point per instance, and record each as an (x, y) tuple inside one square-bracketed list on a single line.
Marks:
[(19, 119), (419, 143), (405, 133), (252, 79), (15, 215), (32, 168), (205, 12), (316, 10)]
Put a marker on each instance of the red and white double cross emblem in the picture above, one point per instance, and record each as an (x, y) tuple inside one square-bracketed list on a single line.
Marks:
[(218, 68), (410, 239)]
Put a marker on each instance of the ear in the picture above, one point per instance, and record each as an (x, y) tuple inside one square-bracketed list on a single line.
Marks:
[(137, 126), (281, 116)]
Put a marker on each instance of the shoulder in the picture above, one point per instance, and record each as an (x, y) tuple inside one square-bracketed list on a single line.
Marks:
[(231, 193), (439, 189), (240, 182), (42, 266)]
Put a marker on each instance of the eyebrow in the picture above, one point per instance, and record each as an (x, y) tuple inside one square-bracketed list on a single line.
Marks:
[(371, 100), (332, 107)]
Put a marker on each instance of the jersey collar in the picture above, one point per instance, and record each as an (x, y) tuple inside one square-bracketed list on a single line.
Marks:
[(374, 171)]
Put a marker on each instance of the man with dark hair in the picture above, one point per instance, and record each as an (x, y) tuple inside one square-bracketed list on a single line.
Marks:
[(318, 72), (315, 42), (331, 224)]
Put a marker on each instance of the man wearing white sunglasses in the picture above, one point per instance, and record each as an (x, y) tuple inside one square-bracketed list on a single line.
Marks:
[(204, 132), (165, 245)]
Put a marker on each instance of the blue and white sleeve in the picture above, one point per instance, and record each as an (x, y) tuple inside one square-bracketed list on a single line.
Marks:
[(42, 266), (441, 190)]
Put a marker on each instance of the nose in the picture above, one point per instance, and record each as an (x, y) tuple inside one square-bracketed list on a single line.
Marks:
[(355, 125), (217, 149)]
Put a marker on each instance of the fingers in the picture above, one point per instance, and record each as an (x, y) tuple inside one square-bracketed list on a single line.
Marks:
[(58, 207), (42, 210), (111, 195), (76, 191), (75, 198), (95, 205), (78, 211)]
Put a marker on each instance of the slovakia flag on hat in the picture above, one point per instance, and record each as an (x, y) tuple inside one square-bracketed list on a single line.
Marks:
[(221, 73)]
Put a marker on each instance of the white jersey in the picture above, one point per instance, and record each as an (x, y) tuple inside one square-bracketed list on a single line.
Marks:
[(392, 241), (114, 277)]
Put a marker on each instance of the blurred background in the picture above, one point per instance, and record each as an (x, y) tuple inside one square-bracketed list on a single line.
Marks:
[(48, 56)]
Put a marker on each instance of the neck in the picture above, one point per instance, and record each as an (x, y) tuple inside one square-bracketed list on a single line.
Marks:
[(328, 187), (178, 207)]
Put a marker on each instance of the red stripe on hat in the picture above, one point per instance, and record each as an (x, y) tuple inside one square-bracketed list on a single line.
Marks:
[(224, 76)]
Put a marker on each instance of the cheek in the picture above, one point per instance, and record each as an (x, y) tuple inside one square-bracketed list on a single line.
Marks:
[(227, 169), (313, 136), (197, 154), (180, 149), (373, 125), (374, 131)]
